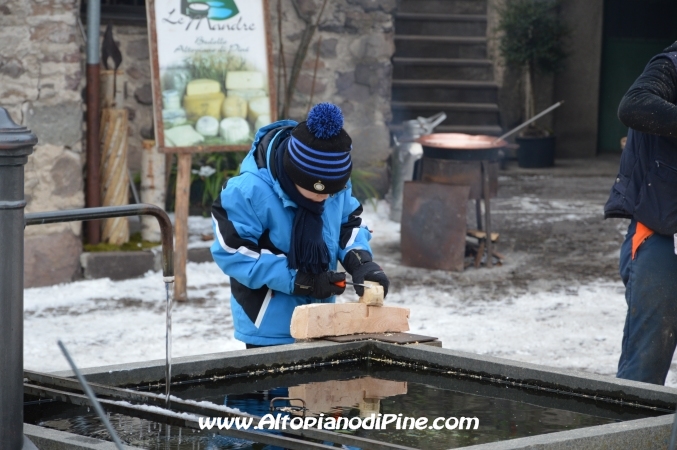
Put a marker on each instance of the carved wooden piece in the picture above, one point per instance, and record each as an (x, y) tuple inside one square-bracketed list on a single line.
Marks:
[(340, 319), (373, 296), (114, 173)]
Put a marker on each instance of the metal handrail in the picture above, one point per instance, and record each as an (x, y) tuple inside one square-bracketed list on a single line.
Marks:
[(109, 212)]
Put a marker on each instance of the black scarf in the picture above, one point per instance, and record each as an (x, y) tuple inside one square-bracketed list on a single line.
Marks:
[(307, 250)]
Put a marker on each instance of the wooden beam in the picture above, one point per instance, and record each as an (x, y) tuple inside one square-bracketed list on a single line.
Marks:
[(181, 226), (340, 319)]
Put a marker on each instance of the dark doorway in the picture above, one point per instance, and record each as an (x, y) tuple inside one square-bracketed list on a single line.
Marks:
[(634, 31)]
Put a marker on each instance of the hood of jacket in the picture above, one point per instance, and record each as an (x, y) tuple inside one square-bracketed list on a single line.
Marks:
[(258, 161)]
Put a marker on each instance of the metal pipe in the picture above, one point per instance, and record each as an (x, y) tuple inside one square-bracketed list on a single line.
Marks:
[(92, 398), (93, 183), (16, 143), (93, 30), (486, 192), (107, 212), (536, 117), (183, 420)]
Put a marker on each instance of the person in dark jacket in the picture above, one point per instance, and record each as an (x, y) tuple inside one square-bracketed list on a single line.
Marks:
[(285, 221), (645, 191)]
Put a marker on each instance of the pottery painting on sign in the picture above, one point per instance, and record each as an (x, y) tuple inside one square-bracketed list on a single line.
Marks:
[(212, 75)]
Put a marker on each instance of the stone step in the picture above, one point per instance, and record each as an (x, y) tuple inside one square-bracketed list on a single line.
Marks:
[(457, 113), (442, 68), (443, 6), (441, 47), (427, 24), (125, 265), (447, 91)]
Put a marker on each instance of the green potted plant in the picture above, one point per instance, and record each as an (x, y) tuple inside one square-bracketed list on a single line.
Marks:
[(532, 40)]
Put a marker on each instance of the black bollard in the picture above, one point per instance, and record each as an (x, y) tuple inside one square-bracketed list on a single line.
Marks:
[(16, 143)]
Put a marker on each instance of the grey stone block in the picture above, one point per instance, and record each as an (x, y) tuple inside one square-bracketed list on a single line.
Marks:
[(117, 265), (51, 259), (653, 433), (200, 255), (48, 439), (144, 94), (57, 124), (67, 176)]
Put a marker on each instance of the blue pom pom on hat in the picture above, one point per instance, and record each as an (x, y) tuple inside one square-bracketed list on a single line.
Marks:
[(318, 154), (325, 120)]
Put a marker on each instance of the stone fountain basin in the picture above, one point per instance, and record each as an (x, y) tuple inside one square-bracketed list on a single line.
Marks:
[(480, 375)]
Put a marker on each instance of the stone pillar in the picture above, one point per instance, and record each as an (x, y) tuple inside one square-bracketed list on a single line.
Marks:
[(576, 122), (16, 143)]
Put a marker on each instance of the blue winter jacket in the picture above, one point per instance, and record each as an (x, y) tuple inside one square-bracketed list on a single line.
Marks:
[(252, 222)]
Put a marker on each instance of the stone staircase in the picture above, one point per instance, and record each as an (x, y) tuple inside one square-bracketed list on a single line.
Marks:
[(440, 64)]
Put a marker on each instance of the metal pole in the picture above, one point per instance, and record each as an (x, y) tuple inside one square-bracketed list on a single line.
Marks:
[(536, 117), (486, 191), (93, 187), (140, 209), (107, 212), (92, 398), (16, 143)]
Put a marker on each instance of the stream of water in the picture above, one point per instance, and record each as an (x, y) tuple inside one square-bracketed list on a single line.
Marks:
[(169, 289)]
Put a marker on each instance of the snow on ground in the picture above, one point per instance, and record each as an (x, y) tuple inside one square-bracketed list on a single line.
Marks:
[(566, 325)]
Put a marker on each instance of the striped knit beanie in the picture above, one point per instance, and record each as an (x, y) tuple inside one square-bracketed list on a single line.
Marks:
[(318, 153)]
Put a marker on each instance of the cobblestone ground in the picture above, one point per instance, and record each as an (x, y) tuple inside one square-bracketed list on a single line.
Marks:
[(552, 233)]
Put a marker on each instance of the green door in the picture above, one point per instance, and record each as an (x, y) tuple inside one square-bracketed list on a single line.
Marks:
[(634, 31)]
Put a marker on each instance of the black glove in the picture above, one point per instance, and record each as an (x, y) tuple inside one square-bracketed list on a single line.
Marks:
[(320, 285), (359, 264)]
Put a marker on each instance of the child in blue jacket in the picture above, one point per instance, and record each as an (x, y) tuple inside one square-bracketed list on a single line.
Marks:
[(282, 224)]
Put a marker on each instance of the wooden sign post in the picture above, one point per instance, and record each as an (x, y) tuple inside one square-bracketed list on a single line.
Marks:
[(213, 87)]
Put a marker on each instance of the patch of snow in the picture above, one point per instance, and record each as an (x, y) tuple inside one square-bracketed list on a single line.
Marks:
[(112, 322)]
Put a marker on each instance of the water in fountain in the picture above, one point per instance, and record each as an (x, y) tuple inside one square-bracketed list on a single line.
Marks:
[(504, 412)]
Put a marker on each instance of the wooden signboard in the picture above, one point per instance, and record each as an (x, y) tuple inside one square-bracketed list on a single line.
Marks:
[(213, 87)]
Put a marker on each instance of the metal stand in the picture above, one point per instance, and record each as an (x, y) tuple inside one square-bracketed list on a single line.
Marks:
[(487, 212), (16, 143)]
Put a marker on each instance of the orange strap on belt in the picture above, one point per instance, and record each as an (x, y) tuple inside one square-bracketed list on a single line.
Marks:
[(642, 233)]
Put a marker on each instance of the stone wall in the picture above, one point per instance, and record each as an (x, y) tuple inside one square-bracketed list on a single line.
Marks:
[(354, 68), (42, 62), (353, 71), (41, 78)]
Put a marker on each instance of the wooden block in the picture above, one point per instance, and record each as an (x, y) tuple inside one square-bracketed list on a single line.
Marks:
[(373, 296), (340, 319), (482, 235)]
